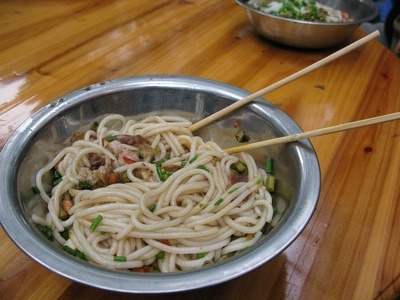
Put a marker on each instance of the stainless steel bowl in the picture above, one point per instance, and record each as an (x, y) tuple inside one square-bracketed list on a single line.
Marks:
[(306, 34), (194, 98)]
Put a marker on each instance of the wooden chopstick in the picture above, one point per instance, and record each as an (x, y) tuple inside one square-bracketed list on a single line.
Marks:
[(314, 133), (283, 81)]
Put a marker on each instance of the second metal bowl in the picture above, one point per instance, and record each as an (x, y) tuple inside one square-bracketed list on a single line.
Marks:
[(307, 34)]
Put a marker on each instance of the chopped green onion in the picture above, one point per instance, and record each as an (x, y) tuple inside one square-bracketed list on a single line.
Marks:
[(69, 250), (166, 175), (183, 163), (82, 256), (65, 233), (193, 159), (96, 223), (266, 228), (111, 138), (153, 207), (202, 205), (270, 166), (57, 181), (239, 167), (201, 255), (218, 202), (160, 255), (159, 169), (270, 183), (35, 190), (155, 266), (84, 185), (62, 214), (232, 191), (74, 252), (46, 231), (120, 258), (56, 174), (162, 174), (94, 126), (260, 181), (242, 136), (203, 168)]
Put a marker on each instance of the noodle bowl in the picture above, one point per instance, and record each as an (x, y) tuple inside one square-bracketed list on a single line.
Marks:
[(42, 136), (149, 196)]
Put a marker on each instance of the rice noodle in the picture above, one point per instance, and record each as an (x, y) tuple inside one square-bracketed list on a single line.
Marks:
[(196, 216)]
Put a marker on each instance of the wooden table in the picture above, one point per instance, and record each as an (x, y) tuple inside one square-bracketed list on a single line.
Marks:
[(350, 248)]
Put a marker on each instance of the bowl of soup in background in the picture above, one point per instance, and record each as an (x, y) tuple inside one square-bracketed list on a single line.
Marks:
[(311, 34)]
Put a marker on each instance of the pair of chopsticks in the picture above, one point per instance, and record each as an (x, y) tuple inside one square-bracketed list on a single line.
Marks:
[(286, 80)]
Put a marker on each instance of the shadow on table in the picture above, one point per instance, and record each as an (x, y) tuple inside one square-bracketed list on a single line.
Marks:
[(270, 276)]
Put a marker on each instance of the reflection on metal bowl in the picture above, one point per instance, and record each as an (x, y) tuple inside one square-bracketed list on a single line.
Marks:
[(193, 98)]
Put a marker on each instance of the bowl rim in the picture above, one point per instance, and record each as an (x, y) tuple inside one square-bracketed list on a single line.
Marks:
[(43, 252), (369, 3)]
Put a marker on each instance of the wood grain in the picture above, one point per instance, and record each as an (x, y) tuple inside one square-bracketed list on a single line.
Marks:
[(264, 91), (314, 133), (351, 246)]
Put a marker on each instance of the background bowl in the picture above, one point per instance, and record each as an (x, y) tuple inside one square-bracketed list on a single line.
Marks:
[(306, 34), (194, 98)]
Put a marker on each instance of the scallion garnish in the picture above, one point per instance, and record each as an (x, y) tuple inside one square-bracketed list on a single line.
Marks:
[(162, 174), (270, 183), (239, 167), (96, 223), (69, 250), (242, 136), (159, 169), (62, 214), (46, 231), (266, 228), (260, 181), (56, 174), (120, 258), (201, 255), (218, 202), (57, 181), (160, 255), (111, 138), (193, 159), (82, 256), (74, 252), (35, 190), (232, 191), (270, 166), (84, 185), (153, 207), (65, 233), (203, 168), (94, 126)]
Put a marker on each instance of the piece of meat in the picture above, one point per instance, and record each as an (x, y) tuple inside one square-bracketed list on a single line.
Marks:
[(66, 205), (96, 161), (132, 140), (111, 178), (237, 177), (172, 168)]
